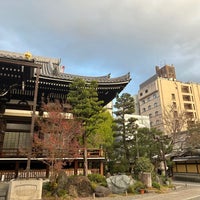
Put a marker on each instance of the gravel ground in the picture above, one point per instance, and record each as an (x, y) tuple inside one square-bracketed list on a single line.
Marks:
[(151, 195)]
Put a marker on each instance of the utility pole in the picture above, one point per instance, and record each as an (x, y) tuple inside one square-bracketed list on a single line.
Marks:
[(28, 167)]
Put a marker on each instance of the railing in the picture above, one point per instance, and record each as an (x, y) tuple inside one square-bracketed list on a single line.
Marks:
[(19, 153), (7, 175)]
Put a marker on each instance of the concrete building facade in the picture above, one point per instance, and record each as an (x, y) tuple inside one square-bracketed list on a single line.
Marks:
[(142, 121), (165, 99)]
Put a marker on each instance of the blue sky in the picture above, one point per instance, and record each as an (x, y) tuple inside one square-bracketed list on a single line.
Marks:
[(98, 37)]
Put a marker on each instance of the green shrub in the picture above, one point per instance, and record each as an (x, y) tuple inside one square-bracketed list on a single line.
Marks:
[(97, 178), (93, 185), (131, 189), (47, 186), (50, 186), (136, 187), (62, 193), (143, 164), (122, 166), (156, 185)]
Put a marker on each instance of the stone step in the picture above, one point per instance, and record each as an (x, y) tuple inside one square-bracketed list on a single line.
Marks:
[(3, 190)]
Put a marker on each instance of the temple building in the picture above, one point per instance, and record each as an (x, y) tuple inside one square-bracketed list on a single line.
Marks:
[(26, 82)]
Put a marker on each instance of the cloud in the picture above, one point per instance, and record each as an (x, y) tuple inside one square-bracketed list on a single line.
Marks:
[(95, 37)]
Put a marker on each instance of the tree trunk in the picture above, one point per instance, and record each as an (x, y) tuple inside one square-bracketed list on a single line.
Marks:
[(85, 160)]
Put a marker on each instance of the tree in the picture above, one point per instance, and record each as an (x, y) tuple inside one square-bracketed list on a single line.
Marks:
[(152, 143), (143, 164), (192, 142), (175, 121), (86, 107), (104, 133), (55, 138), (124, 129)]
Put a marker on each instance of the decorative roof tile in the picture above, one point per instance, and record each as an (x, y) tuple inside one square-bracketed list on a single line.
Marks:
[(51, 69)]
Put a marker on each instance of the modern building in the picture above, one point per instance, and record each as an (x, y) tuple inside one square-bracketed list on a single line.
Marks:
[(142, 121), (166, 100), (26, 82), (137, 106)]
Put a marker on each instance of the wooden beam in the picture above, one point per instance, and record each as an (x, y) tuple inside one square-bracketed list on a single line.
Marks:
[(26, 63)]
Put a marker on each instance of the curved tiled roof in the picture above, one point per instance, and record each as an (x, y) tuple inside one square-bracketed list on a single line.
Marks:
[(51, 70), (101, 79)]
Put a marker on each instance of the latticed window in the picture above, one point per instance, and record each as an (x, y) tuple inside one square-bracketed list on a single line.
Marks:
[(15, 140)]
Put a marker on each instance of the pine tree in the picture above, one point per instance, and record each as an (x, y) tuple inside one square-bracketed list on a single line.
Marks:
[(125, 129), (86, 107)]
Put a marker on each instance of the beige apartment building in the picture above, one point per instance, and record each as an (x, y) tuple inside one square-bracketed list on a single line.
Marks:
[(170, 104)]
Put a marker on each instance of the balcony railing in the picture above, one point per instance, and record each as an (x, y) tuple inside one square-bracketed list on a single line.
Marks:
[(7, 175), (21, 153)]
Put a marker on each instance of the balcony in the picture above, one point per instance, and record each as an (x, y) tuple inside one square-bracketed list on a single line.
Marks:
[(187, 98), (188, 106), (20, 153), (185, 89)]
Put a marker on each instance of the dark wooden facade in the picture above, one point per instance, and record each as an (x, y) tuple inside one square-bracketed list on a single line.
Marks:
[(18, 86), (187, 168)]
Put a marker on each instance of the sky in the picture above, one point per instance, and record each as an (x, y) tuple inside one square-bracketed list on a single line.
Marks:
[(98, 37)]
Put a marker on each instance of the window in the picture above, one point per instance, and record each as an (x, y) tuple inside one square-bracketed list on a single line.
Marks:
[(156, 113), (150, 115), (157, 122), (187, 106), (173, 97), (14, 141), (175, 114), (144, 109), (186, 98), (185, 89), (141, 94), (146, 91), (155, 104), (174, 105), (154, 95), (149, 107)]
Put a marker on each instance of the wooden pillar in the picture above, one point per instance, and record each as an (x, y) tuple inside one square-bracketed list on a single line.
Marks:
[(186, 167), (75, 167), (47, 171), (2, 131), (101, 168), (16, 168)]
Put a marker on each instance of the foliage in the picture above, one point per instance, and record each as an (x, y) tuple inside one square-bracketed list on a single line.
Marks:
[(97, 178), (165, 180), (83, 98), (118, 167), (152, 142), (86, 107), (124, 128), (143, 164), (156, 185), (55, 138), (103, 134), (136, 187), (62, 193)]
